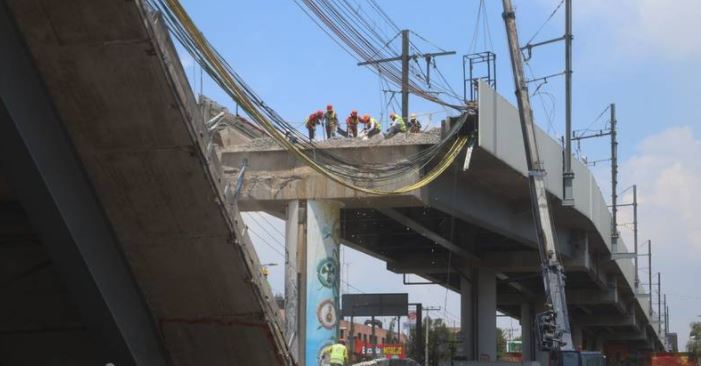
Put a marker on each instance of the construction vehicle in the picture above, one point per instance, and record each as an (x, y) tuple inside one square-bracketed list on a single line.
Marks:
[(553, 326)]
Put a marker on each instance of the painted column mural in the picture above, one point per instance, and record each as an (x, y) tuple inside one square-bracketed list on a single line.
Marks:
[(323, 277)]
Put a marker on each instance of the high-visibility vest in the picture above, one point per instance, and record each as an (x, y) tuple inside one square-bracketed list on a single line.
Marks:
[(339, 353), (372, 124), (331, 118), (399, 121)]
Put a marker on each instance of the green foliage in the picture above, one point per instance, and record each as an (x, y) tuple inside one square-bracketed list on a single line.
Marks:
[(441, 342), (501, 343), (693, 346)]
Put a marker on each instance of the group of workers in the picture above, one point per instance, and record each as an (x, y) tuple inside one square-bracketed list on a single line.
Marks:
[(370, 128)]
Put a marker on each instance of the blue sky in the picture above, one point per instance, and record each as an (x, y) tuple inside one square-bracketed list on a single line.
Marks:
[(640, 54)]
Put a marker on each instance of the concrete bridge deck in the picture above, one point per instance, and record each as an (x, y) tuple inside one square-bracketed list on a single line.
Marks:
[(478, 218), (116, 245)]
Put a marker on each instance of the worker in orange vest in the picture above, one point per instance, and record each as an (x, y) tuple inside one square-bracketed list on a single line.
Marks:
[(370, 126), (352, 124), (312, 121)]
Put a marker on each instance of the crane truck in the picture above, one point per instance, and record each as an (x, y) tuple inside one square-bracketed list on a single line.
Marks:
[(554, 334)]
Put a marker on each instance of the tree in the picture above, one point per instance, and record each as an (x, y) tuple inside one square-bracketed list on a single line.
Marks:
[(693, 346), (501, 343), (440, 340)]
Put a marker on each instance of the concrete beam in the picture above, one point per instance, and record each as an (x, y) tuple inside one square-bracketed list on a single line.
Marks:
[(607, 320), (427, 233), (63, 208)]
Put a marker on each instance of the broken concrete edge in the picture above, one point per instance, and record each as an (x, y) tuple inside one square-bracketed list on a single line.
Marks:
[(430, 137), (188, 107)]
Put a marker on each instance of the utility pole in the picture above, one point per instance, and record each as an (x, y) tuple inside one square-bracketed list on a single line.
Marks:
[(405, 58), (635, 234), (568, 174), (428, 330), (649, 273), (614, 181), (553, 272), (666, 315), (659, 302), (405, 75), (613, 133)]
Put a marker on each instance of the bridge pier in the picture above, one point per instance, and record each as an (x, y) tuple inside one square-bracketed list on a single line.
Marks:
[(312, 277), (527, 344), (478, 314)]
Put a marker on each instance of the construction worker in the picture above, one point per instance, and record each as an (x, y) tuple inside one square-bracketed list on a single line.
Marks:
[(338, 353), (331, 121), (370, 126), (397, 126), (414, 124), (352, 124), (312, 121)]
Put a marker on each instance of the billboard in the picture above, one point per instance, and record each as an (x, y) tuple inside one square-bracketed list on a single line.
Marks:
[(375, 304)]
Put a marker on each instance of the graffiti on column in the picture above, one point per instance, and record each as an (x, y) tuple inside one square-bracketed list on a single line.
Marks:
[(323, 278)]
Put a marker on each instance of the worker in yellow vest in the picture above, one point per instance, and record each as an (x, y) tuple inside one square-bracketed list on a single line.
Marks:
[(331, 122), (338, 354), (398, 125)]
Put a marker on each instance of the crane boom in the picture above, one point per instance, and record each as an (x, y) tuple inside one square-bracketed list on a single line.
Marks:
[(552, 271)]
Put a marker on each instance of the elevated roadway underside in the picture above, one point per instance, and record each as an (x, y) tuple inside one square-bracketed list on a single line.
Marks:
[(116, 241)]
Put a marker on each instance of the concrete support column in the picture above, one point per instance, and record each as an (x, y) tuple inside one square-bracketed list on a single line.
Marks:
[(467, 315), (577, 337), (295, 278), (312, 262), (486, 315), (323, 277), (528, 345)]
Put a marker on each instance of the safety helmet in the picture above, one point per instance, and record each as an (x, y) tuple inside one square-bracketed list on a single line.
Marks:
[(366, 118), (413, 116), (392, 116), (329, 107), (354, 113), (319, 114)]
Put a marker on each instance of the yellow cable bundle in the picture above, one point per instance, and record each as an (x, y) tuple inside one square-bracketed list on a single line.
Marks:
[(244, 102)]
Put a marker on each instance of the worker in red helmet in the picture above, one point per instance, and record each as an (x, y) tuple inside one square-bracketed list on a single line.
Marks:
[(331, 122), (352, 124), (370, 126), (311, 122)]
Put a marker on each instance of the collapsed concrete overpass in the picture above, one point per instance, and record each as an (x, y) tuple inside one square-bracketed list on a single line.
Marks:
[(116, 240), (120, 246), (472, 228)]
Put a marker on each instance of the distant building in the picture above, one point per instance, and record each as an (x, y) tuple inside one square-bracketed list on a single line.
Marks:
[(364, 333), (673, 342)]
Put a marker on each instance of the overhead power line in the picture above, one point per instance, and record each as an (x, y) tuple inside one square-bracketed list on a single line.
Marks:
[(368, 178)]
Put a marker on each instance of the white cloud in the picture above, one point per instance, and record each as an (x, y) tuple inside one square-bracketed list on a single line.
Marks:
[(667, 169), (662, 28)]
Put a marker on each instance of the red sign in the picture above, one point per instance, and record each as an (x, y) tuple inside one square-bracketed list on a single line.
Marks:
[(671, 359), (381, 350)]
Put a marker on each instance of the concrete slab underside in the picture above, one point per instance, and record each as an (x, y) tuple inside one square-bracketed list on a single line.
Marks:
[(122, 95)]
